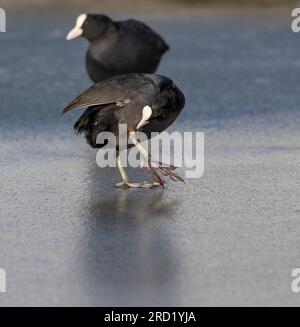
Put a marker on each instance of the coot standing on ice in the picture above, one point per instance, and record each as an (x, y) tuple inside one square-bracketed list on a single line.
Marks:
[(144, 102), (118, 47)]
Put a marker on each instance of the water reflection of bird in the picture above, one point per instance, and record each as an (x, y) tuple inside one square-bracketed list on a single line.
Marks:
[(144, 102), (127, 251), (117, 48)]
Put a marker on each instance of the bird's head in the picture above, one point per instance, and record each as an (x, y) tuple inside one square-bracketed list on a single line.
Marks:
[(90, 26)]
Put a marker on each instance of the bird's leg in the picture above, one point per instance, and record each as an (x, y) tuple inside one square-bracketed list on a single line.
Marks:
[(154, 166), (122, 172), (126, 184)]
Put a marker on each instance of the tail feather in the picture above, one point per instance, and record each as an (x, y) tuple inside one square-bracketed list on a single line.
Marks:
[(92, 122)]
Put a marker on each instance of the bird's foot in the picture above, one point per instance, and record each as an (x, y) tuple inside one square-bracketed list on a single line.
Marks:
[(159, 167), (144, 184), (170, 172)]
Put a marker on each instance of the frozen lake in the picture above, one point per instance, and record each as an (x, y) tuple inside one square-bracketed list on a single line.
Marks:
[(68, 237)]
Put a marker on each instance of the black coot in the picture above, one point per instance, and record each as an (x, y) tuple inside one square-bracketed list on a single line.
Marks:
[(117, 48), (144, 102)]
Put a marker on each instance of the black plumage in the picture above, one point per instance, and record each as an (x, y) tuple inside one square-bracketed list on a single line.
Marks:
[(121, 100), (118, 47)]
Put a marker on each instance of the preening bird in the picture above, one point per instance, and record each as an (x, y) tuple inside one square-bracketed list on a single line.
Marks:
[(144, 102), (118, 47)]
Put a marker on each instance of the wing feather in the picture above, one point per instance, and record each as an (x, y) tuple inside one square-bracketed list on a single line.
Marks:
[(104, 93)]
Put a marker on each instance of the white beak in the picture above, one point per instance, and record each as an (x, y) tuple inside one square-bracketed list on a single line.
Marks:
[(77, 30), (147, 112), (74, 33)]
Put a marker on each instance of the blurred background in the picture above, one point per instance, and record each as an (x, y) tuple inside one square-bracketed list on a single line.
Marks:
[(68, 237), (155, 2), (155, 5)]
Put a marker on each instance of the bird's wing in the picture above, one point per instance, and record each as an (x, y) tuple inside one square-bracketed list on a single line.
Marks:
[(147, 33), (104, 93)]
